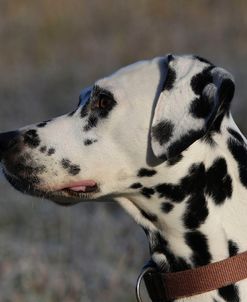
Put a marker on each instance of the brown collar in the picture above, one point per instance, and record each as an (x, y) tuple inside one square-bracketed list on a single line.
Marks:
[(164, 287)]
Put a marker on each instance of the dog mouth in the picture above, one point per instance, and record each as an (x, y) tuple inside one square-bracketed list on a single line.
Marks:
[(69, 194), (81, 187)]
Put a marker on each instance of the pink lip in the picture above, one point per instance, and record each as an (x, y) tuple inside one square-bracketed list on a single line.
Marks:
[(80, 185)]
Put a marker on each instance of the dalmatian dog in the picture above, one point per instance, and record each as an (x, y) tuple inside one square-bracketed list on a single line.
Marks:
[(158, 137)]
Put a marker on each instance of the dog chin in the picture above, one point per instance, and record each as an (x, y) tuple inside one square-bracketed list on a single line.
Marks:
[(62, 200), (60, 197)]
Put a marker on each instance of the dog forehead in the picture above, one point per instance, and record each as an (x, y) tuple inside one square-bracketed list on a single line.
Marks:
[(138, 78)]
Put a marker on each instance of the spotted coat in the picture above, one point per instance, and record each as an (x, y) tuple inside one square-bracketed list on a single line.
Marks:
[(158, 137)]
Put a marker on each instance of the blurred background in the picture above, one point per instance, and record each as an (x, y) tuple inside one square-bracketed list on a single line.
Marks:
[(50, 50)]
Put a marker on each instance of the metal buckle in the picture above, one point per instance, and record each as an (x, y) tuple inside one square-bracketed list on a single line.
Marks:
[(139, 280)]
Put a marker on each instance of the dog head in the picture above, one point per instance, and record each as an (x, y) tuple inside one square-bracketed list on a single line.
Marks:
[(154, 108)]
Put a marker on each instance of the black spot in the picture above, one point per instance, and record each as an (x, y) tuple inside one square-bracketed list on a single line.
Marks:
[(136, 185), (147, 192), (233, 248), (74, 169), (201, 107), (173, 192), (219, 183), (229, 293), (84, 110), (27, 183), (92, 122), (149, 216), (194, 185), (201, 80), (51, 151), (196, 212), (198, 243), (159, 244), (65, 163), (170, 79), (203, 60), (184, 142), (215, 127), (226, 92), (43, 149), (163, 131), (174, 160), (225, 95), (239, 153), (170, 58), (208, 139), (88, 142), (236, 135), (22, 167), (143, 172), (31, 138), (166, 207)]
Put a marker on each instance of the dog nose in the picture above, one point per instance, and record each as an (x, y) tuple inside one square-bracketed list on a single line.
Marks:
[(7, 141)]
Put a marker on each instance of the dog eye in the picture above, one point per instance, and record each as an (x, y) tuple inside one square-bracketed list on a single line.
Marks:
[(102, 102)]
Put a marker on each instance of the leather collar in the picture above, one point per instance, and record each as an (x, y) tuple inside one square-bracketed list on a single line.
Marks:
[(165, 287)]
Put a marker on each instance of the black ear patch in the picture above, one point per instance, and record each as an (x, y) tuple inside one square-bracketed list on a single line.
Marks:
[(170, 79), (162, 132), (201, 107), (203, 60), (184, 142), (226, 93), (201, 80), (174, 160)]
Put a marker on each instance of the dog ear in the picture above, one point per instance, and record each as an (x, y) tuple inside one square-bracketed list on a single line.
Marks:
[(195, 97)]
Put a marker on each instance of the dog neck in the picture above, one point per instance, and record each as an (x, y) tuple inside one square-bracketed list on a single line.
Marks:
[(192, 208)]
